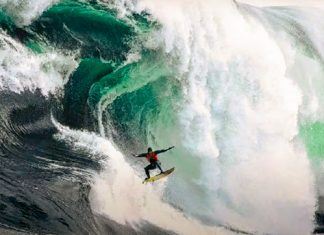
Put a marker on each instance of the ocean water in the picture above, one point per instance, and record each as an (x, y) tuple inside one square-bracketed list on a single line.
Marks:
[(238, 89)]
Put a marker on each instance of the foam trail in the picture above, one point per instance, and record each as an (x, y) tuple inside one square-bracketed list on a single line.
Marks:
[(119, 194), (22, 70)]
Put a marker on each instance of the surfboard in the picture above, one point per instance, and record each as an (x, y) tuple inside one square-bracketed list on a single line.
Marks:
[(159, 176)]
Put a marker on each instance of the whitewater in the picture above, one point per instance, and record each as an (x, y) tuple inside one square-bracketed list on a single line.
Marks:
[(235, 86)]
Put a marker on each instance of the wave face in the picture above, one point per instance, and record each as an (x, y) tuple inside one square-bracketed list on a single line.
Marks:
[(236, 88)]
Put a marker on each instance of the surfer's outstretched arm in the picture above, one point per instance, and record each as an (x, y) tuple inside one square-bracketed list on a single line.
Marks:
[(163, 150), (140, 155)]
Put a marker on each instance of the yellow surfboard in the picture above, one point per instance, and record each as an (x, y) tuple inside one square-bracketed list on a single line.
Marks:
[(159, 176)]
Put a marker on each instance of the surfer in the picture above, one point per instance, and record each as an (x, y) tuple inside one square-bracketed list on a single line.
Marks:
[(152, 157)]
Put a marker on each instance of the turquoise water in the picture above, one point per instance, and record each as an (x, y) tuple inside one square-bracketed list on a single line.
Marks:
[(313, 136)]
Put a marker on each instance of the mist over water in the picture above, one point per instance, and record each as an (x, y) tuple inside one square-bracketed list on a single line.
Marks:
[(236, 88)]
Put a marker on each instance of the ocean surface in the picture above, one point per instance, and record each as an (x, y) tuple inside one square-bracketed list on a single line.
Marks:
[(237, 89)]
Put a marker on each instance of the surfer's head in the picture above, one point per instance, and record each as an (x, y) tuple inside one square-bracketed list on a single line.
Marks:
[(149, 150)]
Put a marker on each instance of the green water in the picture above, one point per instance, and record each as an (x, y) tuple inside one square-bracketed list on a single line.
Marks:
[(5, 22), (101, 42), (90, 70), (92, 30), (313, 137)]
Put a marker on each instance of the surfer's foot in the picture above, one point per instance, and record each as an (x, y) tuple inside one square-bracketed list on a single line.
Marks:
[(147, 178), (161, 172)]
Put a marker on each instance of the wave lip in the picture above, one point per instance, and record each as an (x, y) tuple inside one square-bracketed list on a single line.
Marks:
[(24, 12)]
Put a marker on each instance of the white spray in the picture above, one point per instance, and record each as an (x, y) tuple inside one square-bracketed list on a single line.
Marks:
[(241, 108), (21, 69), (23, 12)]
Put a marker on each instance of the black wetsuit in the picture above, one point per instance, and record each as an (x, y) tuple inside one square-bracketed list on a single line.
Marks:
[(152, 166)]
